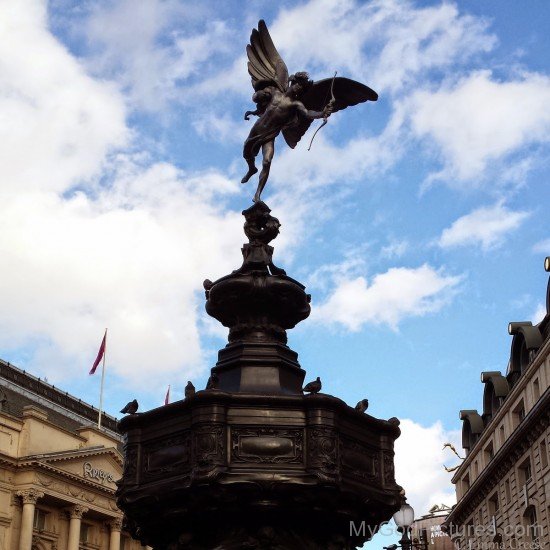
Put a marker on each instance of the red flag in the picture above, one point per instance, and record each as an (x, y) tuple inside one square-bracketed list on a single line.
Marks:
[(167, 398), (100, 354)]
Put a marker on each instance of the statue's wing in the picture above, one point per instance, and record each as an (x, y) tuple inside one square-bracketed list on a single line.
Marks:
[(265, 65), (346, 93)]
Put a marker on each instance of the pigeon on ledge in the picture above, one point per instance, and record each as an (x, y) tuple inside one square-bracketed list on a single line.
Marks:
[(313, 387), (131, 407), (362, 406), (189, 390)]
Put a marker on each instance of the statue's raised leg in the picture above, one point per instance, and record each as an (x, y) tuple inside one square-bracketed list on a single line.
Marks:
[(268, 150), (251, 170)]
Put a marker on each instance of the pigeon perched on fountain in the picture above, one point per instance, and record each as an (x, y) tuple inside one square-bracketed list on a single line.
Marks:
[(189, 390), (313, 387), (130, 408), (362, 406)]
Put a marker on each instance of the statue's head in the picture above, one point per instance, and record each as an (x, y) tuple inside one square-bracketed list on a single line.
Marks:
[(300, 82), (299, 78)]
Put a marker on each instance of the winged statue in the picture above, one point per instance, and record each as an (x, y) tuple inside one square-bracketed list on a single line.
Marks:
[(288, 104)]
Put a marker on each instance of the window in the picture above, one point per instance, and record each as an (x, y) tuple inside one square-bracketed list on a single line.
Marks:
[(543, 454), (524, 472), (39, 522), (476, 469), (465, 482), (470, 529), (423, 535), (502, 435), (494, 504), (518, 414), (536, 389), (489, 453), (530, 524), (84, 532), (507, 492), (480, 516)]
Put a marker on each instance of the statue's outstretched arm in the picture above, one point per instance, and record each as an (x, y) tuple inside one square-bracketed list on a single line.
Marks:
[(255, 113), (312, 115)]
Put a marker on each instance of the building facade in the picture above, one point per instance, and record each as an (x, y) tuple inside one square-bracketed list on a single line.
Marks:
[(57, 470), (503, 484), (426, 531)]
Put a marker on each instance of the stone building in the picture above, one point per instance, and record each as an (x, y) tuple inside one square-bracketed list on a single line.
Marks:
[(57, 470), (503, 484), (426, 530)]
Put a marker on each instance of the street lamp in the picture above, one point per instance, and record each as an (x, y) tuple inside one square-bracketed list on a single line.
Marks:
[(404, 518)]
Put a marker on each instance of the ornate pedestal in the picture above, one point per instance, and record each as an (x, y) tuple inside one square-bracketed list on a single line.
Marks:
[(252, 462)]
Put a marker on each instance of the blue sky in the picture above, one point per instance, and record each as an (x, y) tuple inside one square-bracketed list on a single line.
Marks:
[(418, 223)]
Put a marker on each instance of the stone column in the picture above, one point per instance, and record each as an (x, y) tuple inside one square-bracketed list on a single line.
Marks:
[(29, 498), (75, 515), (115, 525)]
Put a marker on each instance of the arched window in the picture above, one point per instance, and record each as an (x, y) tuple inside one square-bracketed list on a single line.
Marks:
[(532, 529)]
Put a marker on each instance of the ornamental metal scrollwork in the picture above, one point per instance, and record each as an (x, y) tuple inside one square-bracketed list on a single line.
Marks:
[(323, 453), (130, 462), (208, 450), (389, 469)]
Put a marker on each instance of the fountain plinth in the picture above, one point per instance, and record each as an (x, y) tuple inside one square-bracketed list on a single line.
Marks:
[(252, 462)]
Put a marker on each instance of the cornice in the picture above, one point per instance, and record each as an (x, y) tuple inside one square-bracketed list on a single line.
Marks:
[(536, 421), (81, 453), (516, 390), (8, 462), (38, 465)]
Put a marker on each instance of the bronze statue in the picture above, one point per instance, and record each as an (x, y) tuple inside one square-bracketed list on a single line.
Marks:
[(288, 104)]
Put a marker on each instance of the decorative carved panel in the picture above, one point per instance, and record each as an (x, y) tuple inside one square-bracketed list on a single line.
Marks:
[(208, 451), (167, 455), (323, 453), (130, 463), (359, 461), (389, 469), (266, 445)]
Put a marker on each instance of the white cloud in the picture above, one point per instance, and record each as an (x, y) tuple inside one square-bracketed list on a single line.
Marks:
[(300, 170), (542, 247), (389, 298), (133, 260), (419, 464), (481, 120), (539, 314), (150, 47), (327, 274), (220, 127), (395, 249), (403, 41), (57, 123), (485, 226), (88, 247), (389, 44)]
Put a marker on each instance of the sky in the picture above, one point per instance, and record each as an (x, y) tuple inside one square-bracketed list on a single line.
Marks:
[(419, 223)]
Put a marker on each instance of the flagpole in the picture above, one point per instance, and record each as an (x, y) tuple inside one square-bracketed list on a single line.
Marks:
[(102, 379)]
